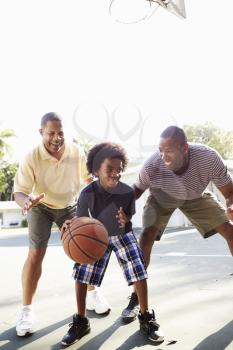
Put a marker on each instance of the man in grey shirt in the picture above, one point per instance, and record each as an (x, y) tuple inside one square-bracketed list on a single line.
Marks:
[(177, 176)]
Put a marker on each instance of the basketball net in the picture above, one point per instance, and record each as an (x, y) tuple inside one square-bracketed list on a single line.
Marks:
[(134, 11)]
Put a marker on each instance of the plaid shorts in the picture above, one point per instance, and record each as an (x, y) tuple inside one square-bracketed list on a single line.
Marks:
[(129, 255)]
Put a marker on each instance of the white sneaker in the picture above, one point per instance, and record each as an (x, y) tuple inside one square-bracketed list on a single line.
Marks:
[(96, 302), (25, 323)]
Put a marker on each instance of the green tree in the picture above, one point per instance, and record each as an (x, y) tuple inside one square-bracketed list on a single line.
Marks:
[(7, 171), (7, 175), (219, 139), (4, 146)]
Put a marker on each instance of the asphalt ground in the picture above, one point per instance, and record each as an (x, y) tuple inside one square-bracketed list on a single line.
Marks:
[(190, 288)]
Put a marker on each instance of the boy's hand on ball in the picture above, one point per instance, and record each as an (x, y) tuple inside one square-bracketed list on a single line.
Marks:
[(65, 225)]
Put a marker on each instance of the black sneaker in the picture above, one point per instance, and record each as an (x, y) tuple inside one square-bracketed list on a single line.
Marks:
[(78, 328), (130, 313), (150, 327)]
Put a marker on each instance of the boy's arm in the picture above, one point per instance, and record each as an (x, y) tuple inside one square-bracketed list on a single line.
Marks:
[(82, 205), (82, 210)]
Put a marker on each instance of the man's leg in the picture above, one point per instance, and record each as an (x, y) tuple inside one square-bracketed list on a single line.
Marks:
[(226, 230), (31, 273), (146, 241), (30, 276)]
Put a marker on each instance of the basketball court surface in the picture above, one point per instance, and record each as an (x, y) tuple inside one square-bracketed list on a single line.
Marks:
[(190, 288)]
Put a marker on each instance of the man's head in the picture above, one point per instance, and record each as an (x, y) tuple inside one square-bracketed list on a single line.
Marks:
[(52, 133), (173, 147), (106, 161)]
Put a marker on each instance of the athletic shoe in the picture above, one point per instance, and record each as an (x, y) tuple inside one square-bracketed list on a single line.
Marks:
[(150, 327), (96, 302), (78, 328), (130, 313), (25, 322)]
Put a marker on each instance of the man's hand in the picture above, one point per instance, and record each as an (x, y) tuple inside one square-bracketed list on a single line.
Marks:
[(230, 212), (31, 201)]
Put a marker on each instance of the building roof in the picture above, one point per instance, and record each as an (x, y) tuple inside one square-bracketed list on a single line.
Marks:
[(9, 205)]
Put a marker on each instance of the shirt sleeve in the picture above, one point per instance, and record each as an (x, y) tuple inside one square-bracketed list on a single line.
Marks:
[(220, 174), (142, 181), (82, 205), (24, 180), (85, 177), (130, 210)]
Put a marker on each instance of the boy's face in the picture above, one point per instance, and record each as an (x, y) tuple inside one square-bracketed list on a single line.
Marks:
[(109, 173)]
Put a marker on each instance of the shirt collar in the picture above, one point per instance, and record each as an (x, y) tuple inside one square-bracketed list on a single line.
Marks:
[(115, 190), (46, 155)]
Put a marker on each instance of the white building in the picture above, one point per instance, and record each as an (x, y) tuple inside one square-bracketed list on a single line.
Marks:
[(10, 214)]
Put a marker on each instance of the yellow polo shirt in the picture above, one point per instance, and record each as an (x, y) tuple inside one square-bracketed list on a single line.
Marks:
[(60, 180)]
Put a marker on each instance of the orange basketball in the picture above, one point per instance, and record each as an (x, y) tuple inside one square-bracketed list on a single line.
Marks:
[(85, 240)]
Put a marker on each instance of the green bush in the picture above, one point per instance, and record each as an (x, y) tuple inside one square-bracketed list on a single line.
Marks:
[(24, 223)]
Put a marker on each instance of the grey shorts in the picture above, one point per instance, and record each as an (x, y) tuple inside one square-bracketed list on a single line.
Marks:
[(40, 220), (205, 213)]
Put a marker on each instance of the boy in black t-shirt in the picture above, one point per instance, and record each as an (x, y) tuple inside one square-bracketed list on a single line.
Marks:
[(111, 202)]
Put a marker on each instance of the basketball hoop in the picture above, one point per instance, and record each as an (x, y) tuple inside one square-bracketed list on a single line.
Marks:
[(134, 11)]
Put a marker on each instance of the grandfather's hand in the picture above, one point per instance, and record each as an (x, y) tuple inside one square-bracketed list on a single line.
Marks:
[(31, 201)]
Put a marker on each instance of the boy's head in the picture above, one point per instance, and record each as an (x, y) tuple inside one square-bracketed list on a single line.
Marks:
[(106, 161)]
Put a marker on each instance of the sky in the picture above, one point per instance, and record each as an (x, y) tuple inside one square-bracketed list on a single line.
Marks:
[(112, 81)]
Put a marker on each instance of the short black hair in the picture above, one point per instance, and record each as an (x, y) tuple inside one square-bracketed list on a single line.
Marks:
[(102, 151), (174, 132), (51, 116)]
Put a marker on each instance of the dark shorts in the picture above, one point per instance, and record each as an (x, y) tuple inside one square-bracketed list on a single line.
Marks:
[(130, 258), (40, 220), (205, 213)]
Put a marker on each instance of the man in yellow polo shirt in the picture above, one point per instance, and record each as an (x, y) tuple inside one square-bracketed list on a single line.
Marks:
[(46, 187)]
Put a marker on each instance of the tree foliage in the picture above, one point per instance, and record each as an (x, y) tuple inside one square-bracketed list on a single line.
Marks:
[(7, 171), (7, 175), (219, 139), (4, 146)]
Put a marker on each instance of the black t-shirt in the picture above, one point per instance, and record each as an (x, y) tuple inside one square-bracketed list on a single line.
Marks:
[(95, 202)]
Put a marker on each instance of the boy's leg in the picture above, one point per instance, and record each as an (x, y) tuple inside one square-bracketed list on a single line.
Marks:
[(94, 300), (142, 293), (155, 219), (84, 275), (148, 324), (81, 292), (80, 325)]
